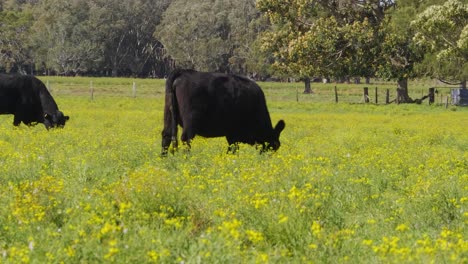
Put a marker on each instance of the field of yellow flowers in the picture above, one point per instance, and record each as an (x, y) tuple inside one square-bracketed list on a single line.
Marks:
[(351, 183)]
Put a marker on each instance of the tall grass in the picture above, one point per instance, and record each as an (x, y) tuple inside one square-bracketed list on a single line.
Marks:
[(351, 183)]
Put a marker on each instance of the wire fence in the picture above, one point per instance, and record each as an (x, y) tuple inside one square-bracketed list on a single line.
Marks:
[(95, 88), (383, 93), (363, 94)]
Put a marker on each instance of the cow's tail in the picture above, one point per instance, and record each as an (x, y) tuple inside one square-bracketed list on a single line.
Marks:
[(174, 108)]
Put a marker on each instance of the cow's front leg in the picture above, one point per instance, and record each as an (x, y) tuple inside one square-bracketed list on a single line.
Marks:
[(16, 120)]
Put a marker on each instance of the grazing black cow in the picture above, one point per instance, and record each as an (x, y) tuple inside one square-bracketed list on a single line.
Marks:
[(28, 99), (216, 105)]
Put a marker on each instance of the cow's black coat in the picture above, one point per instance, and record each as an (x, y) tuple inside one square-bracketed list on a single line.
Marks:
[(28, 99), (216, 105)]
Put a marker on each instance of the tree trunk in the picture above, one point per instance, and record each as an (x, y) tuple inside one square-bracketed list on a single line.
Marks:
[(463, 84), (402, 91), (307, 90)]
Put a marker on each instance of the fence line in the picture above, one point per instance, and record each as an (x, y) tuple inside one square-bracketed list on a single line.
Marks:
[(96, 88), (367, 95), (343, 94)]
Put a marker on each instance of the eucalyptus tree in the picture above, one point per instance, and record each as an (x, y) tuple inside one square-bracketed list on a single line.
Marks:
[(63, 37), (246, 23), (125, 29), (215, 35), (104, 36), (15, 43)]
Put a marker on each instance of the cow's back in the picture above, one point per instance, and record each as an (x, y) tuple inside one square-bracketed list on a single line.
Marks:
[(220, 104), (15, 89), (21, 94), (8, 95)]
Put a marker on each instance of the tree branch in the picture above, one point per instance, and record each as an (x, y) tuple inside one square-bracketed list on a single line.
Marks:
[(447, 82)]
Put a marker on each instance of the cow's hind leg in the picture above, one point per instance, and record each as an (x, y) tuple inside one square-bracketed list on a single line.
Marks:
[(186, 138), (187, 134), (17, 119), (169, 133), (167, 139)]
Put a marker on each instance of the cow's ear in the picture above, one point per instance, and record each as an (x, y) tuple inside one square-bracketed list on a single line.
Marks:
[(280, 126), (67, 118)]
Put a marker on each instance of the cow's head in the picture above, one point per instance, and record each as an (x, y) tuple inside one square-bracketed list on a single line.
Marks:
[(274, 142), (56, 119)]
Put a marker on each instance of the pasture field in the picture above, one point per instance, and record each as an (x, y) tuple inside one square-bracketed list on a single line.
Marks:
[(351, 183)]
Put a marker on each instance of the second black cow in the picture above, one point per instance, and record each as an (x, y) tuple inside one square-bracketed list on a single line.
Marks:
[(216, 105), (27, 98)]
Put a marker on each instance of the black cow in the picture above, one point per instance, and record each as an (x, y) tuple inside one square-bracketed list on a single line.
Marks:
[(28, 99), (216, 105)]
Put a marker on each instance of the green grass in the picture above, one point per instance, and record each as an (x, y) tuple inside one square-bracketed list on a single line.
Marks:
[(104, 87), (290, 92), (351, 183)]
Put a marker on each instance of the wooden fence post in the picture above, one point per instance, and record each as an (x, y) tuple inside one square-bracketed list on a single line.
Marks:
[(134, 90), (297, 94), (91, 88), (431, 95), (387, 97), (376, 96), (446, 102), (336, 95), (366, 94)]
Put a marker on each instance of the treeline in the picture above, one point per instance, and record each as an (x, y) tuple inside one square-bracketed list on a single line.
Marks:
[(125, 38), (92, 37), (295, 38)]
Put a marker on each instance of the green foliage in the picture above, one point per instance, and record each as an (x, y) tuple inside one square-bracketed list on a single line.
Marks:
[(294, 38), (316, 38), (83, 36), (188, 38), (211, 35), (345, 38), (15, 43), (125, 30), (64, 37), (443, 31), (86, 36), (350, 183), (398, 55)]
